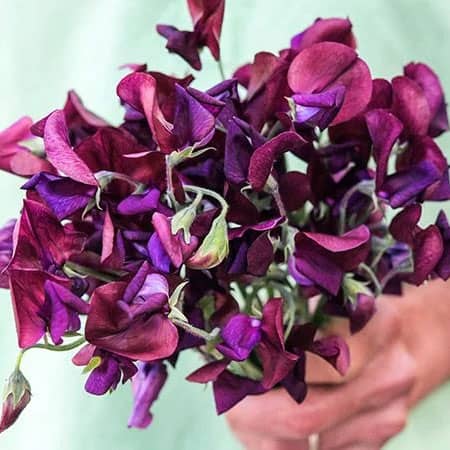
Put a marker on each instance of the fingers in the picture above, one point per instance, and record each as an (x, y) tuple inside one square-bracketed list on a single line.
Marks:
[(372, 428), (276, 415), (384, 328)]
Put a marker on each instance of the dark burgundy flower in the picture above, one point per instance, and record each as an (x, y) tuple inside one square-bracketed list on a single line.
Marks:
[(410, 105), (326, 65), (324, 259), (207, 17), (80, 121), (264, 157), (276, 361), (427, 244), (384, 129), (361, 311), (131, 319), (267, 87), (190, 122), (229, 389)]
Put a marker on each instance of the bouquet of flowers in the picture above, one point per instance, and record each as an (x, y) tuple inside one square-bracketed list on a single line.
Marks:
[(236, 221)]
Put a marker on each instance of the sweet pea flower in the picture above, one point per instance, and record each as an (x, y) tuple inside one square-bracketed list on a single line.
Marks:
[(107, 371), (324, 66), (147, 384), (15, 157), (130, 319), (17, 395), (6, 250), (80, 121), (324, 258), (329, 30), (240, 336)]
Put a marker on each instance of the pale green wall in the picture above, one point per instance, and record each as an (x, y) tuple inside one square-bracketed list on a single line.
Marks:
[(49, 46)]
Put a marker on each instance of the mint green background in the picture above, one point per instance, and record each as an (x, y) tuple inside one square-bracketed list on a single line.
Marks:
[(49, 46)]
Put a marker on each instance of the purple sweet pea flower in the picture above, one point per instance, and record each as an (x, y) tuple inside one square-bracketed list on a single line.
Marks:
[(318, 110), (147, 384), (443, 266), (61, 310), (183, 43), (63, 195), (108, 371), (240, 336)]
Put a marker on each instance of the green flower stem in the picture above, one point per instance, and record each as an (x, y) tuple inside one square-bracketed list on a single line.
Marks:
[(58, 348), (208, 192), (72, 268), (373, 278), (47, 346), (169, 181), (364, 186), (221, 69), (194, 330)]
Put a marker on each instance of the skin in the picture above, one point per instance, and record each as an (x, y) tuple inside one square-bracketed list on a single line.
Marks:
[(399, 357)]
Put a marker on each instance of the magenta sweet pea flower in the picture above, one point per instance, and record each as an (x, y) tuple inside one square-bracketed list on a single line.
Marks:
[(240, 336), (15, 157), (6, 250), (325, 30), (324, 66)]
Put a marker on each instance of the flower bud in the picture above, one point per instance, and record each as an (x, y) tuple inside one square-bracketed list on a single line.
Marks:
[(16, 397), (214, 248), (183, 220)]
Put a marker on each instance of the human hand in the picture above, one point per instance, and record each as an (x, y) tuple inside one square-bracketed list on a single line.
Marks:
[(367, 407)]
